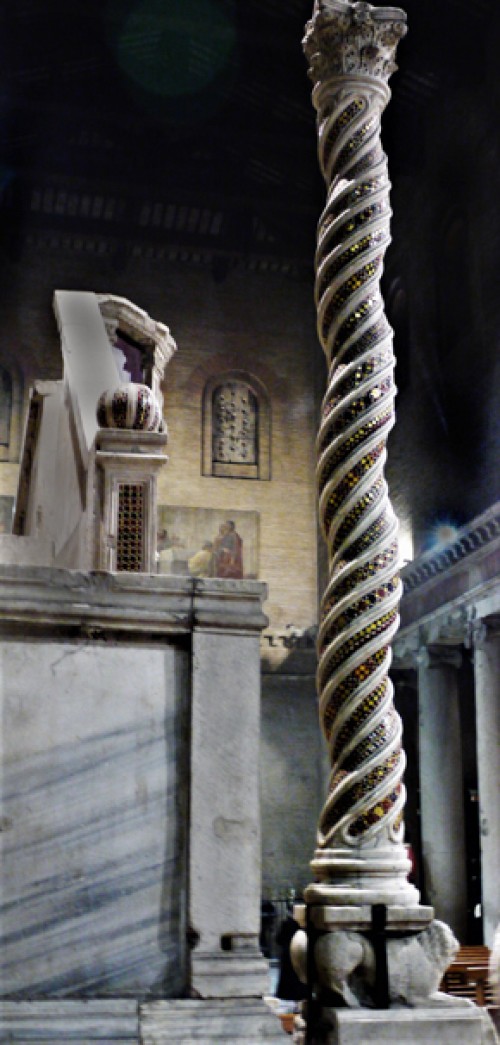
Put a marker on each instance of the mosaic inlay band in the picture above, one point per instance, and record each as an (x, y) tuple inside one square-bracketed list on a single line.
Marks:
[(351, 57)]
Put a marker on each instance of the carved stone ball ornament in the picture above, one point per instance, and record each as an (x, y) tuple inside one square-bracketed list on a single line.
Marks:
[(129, 406)]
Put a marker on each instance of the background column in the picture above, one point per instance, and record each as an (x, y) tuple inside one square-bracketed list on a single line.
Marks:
[(486, 636), (441, 785)]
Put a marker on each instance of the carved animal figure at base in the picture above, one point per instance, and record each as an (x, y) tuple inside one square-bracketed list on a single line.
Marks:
[(345, 964)]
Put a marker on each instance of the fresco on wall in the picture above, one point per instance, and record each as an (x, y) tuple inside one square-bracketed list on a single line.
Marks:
[(6, 514), (208, 542)]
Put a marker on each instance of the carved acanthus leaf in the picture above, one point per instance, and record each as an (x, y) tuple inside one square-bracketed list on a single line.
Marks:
[(345, 39)]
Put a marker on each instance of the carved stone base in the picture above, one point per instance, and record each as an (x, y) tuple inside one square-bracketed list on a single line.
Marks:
[(463, 1023), (345, 964)]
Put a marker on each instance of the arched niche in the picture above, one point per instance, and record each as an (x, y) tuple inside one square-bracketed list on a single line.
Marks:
[(236, 427)]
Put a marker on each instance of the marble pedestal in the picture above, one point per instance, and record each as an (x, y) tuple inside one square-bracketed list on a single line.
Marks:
[(448, 1026), (123, 695)]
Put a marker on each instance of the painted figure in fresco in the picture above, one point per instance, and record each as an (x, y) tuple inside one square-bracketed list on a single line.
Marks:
[(166, 551), (201, 564), (228, 552)]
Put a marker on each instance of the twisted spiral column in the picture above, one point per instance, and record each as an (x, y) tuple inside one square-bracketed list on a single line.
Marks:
[(350, 48)]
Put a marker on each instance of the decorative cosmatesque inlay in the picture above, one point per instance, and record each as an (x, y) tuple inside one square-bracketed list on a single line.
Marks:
[(350, 50)]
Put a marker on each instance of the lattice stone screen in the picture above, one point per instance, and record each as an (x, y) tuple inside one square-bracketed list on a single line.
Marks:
[(130, 531)]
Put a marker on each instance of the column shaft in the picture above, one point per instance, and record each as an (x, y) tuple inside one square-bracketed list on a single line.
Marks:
[(441, 787), (487, 682), (360, 856)]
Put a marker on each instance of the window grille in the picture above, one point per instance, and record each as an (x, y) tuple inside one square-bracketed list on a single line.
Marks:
[(130, 536)]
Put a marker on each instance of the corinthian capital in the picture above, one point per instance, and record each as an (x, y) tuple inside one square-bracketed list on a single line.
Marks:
[(353, 39)]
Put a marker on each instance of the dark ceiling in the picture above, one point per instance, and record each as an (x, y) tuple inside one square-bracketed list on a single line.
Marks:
[(184, 128)]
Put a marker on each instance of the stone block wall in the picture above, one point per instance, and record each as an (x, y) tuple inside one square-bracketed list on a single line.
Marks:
[(93, 866)]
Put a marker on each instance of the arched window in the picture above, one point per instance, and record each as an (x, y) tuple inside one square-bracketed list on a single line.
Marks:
[(235, 427)]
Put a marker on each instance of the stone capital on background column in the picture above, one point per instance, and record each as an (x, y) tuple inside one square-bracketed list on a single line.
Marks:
[(439, 656), (483, 630)]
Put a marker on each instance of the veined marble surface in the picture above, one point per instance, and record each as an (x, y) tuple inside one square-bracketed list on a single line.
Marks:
[(94, 753)]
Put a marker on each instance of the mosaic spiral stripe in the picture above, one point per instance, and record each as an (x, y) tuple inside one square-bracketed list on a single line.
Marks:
[(359, 613)]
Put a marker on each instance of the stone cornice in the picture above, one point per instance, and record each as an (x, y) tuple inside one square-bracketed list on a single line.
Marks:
[(97, 604), (478, 536)]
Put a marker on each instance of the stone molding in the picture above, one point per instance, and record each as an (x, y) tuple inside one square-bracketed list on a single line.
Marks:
[(448, 593), (96, 603), (480, 534)]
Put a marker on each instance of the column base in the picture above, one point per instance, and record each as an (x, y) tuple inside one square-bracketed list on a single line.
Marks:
[(426, 1026), (247, 1021), (229, 975), (362, 876)]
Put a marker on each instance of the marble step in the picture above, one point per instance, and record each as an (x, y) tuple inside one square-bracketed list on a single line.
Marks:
[(243, 1021), (113, 1022)]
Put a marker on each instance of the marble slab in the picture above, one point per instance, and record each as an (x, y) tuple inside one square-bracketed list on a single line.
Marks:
[(232, 1022), (78, 1022), (94, 753), (461, 1025)]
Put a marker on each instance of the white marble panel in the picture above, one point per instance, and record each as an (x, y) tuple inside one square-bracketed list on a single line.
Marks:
[(94, 763), (78, 1022), (246, 1021), (463, 1025)]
